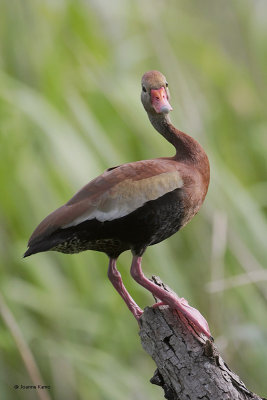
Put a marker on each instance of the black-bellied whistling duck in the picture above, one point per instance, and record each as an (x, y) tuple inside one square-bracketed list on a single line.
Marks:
[(135, 205)]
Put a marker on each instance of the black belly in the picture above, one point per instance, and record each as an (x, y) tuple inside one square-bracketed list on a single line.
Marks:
[(150, 224)]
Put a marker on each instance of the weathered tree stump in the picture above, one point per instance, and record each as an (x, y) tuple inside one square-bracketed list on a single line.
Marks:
[(189, 367)]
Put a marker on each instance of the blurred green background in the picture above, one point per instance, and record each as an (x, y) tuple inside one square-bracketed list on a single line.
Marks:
[(69, 108)]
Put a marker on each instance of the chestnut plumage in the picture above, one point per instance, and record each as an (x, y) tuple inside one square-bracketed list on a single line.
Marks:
[(135, 205)]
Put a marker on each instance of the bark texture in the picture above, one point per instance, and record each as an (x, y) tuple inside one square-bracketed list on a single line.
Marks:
[(189, 367)]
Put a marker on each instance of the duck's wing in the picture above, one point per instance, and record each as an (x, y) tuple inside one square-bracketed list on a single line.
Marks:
[(114, 194)]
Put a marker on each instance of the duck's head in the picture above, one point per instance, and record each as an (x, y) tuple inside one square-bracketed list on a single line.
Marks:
[(155, 93)]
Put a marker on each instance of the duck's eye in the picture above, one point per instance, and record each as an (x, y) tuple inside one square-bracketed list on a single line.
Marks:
[(144, 89), (166, 84)]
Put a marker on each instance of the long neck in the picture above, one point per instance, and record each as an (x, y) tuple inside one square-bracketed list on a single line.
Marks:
[(187, 148)]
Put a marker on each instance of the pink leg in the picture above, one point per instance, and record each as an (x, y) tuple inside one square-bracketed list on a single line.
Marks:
[(115, 279), (181, 305)]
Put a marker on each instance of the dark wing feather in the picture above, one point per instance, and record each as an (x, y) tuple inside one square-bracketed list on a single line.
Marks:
[(113, 194)]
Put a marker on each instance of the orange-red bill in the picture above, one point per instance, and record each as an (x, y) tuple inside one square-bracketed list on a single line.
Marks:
[(159, 100)]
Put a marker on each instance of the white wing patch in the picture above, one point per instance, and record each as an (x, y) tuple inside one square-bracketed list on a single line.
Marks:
[(127, 196)]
